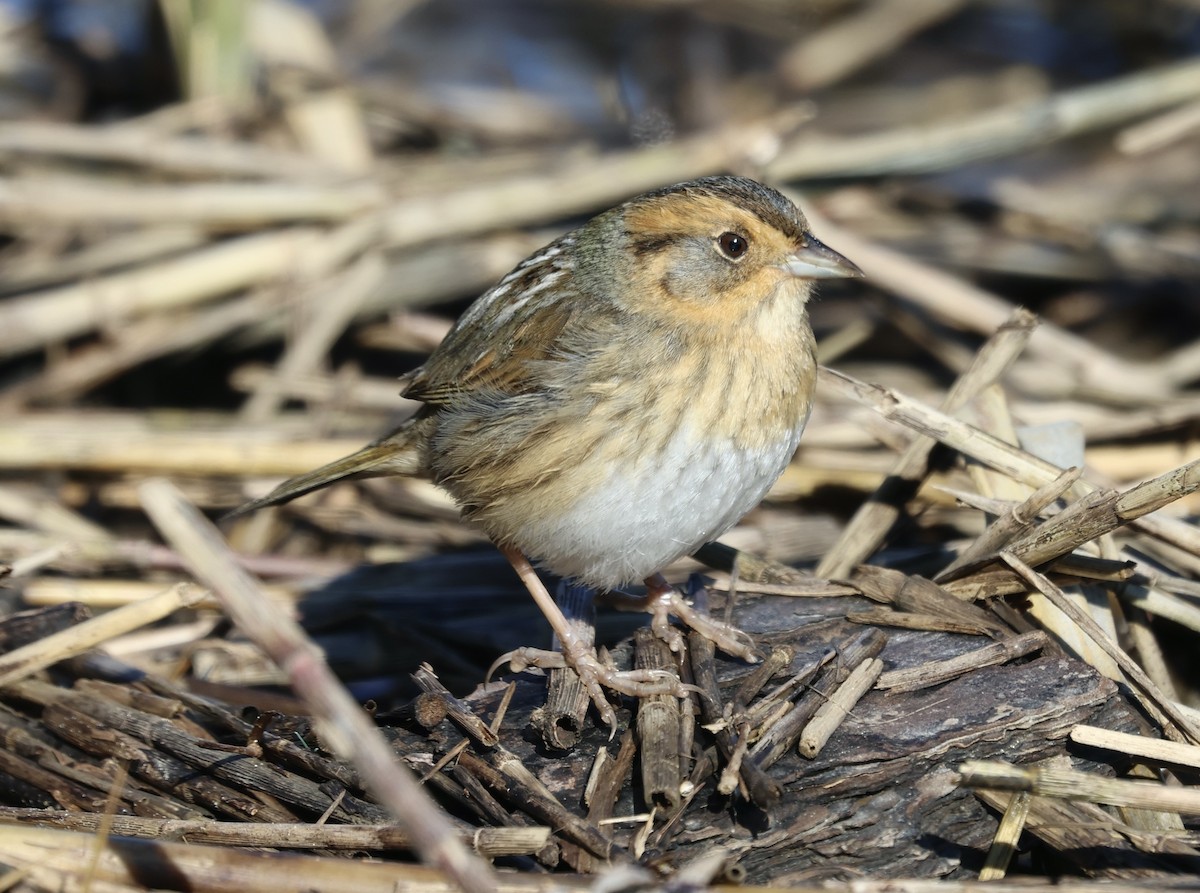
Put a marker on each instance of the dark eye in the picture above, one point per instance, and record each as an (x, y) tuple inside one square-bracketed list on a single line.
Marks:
[(733, 245)]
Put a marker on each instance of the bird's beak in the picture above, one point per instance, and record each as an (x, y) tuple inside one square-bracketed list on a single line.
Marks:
[(813, 260)]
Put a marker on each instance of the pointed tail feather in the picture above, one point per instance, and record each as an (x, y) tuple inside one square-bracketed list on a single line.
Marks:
[(398, 454)]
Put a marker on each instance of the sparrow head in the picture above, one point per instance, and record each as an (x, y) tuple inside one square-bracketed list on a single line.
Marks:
[(715, 249)]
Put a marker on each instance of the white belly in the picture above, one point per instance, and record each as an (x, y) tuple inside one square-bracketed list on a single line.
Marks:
[(646, 516)]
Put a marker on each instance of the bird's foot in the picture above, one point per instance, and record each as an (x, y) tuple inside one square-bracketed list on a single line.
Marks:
[(662, 600), (595, 676)]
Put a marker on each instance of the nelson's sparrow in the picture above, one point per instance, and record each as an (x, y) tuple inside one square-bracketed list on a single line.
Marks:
[(622, 397)]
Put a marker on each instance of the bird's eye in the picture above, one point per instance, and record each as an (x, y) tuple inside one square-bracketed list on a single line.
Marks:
[(733, 245)]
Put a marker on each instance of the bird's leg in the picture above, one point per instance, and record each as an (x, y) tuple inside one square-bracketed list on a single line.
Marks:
[(662, 600), (580, 656)]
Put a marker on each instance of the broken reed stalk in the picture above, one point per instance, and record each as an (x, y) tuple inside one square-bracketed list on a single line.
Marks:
[(866, 530), (505, 774), (560, 721), (1180, 727), (348, 730), (936, 672), (841, 702), (1010, 524), (761, 788), (1151, 750), (658, 724), (1070, 784), (488, 842), (785, 733), (1134, 505), (459, 712), (27, 660)]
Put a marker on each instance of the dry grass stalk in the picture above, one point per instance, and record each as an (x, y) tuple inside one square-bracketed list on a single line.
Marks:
[(855, 40), (54, 859), (135, 143), (221, 207), (1033, 471), (326, 324), (971, 308), (34, 321)]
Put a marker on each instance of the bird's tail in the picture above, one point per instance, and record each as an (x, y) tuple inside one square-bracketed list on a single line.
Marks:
[(398, 453)]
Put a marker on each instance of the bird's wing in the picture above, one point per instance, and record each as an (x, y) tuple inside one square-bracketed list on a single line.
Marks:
[(494, 342)]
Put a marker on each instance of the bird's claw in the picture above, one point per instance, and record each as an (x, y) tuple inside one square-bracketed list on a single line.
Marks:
[(727, 638), (595, 676)]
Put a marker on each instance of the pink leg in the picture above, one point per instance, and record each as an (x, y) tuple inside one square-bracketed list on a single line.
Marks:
[(579, 656)]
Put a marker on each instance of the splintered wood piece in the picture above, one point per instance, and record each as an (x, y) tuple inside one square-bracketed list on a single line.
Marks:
[(609, 777), (605, 783)]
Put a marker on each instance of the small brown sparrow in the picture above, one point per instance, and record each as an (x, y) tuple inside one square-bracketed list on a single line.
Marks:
[(622, 397)]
